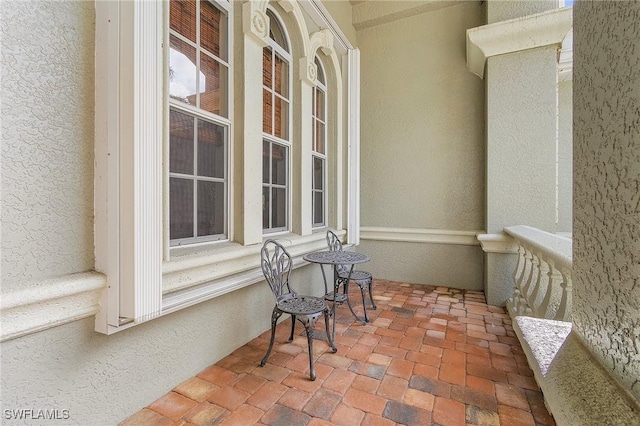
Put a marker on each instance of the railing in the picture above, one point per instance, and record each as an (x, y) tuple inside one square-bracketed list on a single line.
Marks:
[(542, 276)]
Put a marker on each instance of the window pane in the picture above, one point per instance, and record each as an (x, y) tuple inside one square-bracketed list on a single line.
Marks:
[(265, 207), (275, 31), (182, 18), (279, 206), (279, 165), (211, 155), (266, 67), (318, 208), (182, 71), (266, 161), (267, 111), (320, 72), (213, 30), (180, 143), (319, 104), (211, 202), (181, 208), (281, 124), (213, 85), (319, 142), (281, 85), (318, 173)]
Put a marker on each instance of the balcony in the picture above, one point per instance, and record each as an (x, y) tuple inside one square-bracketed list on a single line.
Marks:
[(429, 355)]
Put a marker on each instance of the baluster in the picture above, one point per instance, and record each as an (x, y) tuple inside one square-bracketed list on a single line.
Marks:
[(546, 310), (518, 272), (536, 291), (525, 308), (564, 310), (527, 255), (519, 302)]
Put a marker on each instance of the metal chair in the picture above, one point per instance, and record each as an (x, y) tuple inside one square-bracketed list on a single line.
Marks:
[(363, 279), (276, 266)]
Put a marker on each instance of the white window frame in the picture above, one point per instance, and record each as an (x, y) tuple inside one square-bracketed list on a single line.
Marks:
[(198, 113), (320, 86), (276, 49)]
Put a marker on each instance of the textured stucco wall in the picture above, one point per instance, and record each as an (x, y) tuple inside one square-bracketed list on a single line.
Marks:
[(521, 132), (422, 124), (103, 379), (47, 140), (422, 160), (448, 265), (606, 237), (565, 156), (501, 10)]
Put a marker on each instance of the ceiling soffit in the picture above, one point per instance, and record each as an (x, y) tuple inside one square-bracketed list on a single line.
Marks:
[(368, 14)]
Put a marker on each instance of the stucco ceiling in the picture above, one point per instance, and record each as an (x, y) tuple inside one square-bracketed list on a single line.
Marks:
[(369, 13)]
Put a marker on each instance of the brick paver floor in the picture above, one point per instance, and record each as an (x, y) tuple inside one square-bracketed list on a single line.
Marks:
[(430, 355)]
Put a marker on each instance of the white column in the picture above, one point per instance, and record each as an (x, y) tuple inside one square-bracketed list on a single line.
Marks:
[(518, 58), (256, 33)]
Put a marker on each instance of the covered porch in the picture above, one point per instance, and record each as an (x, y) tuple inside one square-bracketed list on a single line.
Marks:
[(461, 146)]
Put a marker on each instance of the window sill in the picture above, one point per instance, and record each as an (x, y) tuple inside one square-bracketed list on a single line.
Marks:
[(192, 278)]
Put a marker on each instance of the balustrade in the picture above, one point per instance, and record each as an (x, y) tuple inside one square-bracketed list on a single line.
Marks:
[(542, 276)]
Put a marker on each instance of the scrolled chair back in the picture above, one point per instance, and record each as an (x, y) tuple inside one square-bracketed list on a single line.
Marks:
[(333, 241), (276, 266), (335, 244)]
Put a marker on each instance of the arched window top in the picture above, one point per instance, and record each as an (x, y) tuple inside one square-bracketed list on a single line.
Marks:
[(276, 31), (320, 76)]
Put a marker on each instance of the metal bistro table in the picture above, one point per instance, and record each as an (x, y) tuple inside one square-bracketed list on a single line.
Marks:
[(336, 258)]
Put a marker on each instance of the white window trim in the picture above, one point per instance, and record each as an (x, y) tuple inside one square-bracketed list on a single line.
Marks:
[(276, 50), (128, 164), (225, 122), (325, 189)]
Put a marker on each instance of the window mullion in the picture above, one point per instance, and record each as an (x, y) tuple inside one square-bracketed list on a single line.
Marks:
[(195, 177)]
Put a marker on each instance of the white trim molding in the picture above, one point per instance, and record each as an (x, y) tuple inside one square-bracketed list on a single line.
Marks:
[(515, 35), (321, 16), (49, 303), (497, 243), (415, 235)]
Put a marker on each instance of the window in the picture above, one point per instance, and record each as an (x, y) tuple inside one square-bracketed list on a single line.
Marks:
[(319, 154), (198, 122), (276, 145), (163, 69)]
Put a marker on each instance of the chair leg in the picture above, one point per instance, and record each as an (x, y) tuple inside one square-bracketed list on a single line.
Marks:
[(308, 325), (364, 305), (373, 304), (327, 314), (346, 291), (274, 320), (293, 326)]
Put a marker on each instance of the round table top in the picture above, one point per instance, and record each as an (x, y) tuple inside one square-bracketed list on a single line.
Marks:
[(336, 257)]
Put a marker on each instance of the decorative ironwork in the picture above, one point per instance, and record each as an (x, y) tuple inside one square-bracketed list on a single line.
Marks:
[(337, 257), (276, 265)]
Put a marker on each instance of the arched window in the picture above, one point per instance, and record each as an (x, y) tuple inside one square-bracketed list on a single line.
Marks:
[(198, 121), (319, 148), (276, 105)]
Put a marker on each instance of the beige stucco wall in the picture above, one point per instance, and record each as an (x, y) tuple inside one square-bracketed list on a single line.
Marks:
[(422, 161), (501, 10), (47, 140), (522, 135), (565, 156), (606, 289), (103, 379), (47, 231)]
